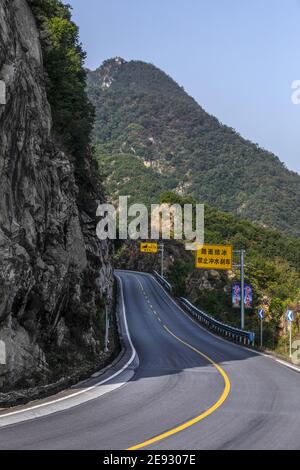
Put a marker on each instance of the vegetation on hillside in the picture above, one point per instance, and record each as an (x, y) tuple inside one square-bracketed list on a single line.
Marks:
[(127, 175), (143, 115), (272, 267), (72, 112)]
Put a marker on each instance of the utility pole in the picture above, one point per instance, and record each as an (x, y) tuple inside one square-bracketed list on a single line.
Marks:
[(162, 251), (242, 289), (261, 316)]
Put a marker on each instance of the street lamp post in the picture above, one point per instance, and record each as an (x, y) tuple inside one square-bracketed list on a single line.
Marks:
[(242, 268)]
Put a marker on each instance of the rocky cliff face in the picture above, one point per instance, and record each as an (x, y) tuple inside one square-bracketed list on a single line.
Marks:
[(54, 272)]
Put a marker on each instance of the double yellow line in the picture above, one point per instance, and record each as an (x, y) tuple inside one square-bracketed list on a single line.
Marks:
[(199, 418)]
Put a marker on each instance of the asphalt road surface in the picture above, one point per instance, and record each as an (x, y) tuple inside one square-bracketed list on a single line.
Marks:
[(191, 390)]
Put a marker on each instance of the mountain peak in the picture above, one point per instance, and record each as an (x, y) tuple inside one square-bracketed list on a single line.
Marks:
[(135, 75), (105, 75)]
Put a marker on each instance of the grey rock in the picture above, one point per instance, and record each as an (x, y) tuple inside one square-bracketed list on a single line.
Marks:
[(53, 270)]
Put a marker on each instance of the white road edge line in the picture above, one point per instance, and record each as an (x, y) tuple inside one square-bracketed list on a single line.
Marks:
[(273, 358), (52, 402)]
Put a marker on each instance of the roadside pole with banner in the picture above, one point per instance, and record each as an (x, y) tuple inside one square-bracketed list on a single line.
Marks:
[(290, 319), (242, 254), (261, 315)]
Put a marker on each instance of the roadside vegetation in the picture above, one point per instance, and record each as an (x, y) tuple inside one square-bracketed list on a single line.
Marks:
[(145, 119), (272, 267)]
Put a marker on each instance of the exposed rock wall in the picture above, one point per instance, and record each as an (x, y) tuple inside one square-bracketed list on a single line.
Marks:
[(54, 272)]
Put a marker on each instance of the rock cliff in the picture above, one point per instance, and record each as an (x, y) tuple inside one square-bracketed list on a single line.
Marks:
[(55, 275)]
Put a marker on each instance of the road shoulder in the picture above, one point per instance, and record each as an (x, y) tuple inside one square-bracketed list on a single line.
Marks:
[(110, 378)]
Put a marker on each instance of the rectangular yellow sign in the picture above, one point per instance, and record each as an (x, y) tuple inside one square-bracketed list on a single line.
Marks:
[(214, 257), (149, 247)]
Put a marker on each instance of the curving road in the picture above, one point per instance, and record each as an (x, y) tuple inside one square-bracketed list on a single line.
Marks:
[(191, 390)]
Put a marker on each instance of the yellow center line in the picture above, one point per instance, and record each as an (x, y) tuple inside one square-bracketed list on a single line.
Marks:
[(203, 415)]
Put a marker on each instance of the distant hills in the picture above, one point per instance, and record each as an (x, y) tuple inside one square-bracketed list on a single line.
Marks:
[(152, 136)]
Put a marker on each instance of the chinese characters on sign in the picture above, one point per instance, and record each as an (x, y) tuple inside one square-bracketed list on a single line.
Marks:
[(149, 247), (214, 257), (236, 296)]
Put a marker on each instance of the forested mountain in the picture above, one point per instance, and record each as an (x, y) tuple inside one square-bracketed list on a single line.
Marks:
[(151, 136)]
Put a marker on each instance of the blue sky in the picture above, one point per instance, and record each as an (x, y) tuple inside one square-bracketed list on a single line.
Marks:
[(237, 58)]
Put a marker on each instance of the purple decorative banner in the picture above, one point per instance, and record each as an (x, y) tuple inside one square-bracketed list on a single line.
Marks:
[(236, 296)]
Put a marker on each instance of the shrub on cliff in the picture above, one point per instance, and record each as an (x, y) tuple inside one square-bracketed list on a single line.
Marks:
[(73, 114)]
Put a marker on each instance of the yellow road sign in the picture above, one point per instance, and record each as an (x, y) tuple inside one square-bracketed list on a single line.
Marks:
[(149, 247), (214, 257)]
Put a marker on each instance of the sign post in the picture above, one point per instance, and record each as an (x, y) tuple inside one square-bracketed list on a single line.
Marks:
[(162, 251), (261, 315), (290, 319), (147, 247)]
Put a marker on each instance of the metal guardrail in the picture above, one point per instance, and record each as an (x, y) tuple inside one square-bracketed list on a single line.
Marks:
[(163, 282), (241, 336), (235, 334)]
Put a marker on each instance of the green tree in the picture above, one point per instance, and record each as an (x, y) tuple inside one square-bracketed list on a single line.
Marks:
[(72, 112)]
